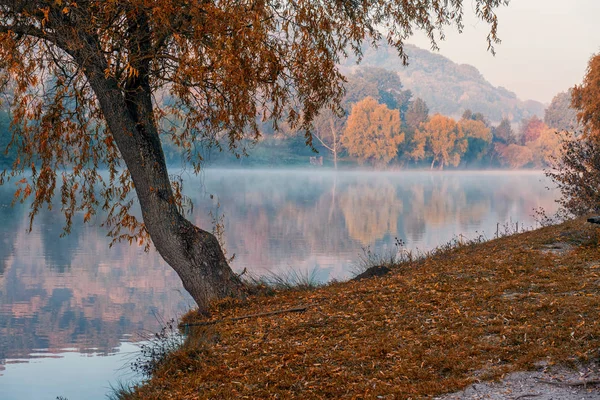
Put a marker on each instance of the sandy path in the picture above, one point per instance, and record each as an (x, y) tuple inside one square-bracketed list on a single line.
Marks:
[(548, 383)]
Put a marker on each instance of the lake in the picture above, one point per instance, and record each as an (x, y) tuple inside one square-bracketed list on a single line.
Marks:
[(71, 309)]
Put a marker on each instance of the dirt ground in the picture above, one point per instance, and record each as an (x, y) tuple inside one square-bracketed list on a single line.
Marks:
[(548, 383)]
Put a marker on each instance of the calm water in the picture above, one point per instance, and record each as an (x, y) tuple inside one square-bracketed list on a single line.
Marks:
[(71, 310)]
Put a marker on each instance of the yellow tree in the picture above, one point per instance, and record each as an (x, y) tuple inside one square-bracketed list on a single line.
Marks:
[(373, 132), (87, 77), (442, 139)]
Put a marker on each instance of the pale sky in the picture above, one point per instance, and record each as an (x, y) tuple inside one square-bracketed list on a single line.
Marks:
[(545, 47)]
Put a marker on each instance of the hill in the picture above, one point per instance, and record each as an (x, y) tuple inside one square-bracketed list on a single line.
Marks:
[(447, 87)]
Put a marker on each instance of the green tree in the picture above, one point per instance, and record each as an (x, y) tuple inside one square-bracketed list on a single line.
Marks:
[(468, 114), (102, 64), (479, 139), (389, 87), (503, 133)]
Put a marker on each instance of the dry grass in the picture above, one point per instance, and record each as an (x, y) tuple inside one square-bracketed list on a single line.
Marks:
[(432, 326)]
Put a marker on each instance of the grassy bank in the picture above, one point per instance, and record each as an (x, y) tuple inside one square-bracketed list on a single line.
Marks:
[(429, 327)]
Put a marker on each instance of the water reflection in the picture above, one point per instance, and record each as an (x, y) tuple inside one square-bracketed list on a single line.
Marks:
[(74, 293)]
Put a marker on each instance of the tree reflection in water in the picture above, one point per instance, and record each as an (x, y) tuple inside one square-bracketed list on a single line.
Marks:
[(74, 292)]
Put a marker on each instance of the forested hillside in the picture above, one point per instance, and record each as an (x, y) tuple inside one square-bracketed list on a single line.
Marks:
[(447, 87)]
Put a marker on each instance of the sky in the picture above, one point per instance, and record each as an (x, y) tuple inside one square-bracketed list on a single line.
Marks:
[(545, 47)]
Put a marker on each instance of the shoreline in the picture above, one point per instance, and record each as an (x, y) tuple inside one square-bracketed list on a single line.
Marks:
[(432, 326)]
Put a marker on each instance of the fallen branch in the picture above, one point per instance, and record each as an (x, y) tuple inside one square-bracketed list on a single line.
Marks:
[(526, 395), (578, 383), (265, 314)]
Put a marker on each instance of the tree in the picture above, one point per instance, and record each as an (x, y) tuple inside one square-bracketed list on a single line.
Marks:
[(373, 132), (577, 175), (586, 98), (442, 139), (559, 114), (327, 127), (470, 115), (389, 87), (547, 148), (417, 113), (514, 155), (577, 171), (531, 129), (479, 138), (88, 77), (503, 133)]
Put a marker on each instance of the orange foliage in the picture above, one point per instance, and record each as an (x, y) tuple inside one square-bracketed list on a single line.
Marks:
[(586, 98), (475, 129), (442, 139), (514, 156), (429, 327), (531, 129), (106, 66), (547, 149), (373, 132)]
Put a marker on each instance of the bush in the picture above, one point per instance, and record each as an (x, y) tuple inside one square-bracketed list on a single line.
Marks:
[(577, 174)]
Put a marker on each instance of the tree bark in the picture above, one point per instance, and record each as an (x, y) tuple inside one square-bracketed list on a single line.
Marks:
[(193, 253), (335, 143)]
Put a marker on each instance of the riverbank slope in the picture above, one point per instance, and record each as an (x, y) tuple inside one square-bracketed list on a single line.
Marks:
[(429, 327)]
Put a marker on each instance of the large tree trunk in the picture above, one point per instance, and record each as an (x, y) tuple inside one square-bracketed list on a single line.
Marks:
[(193, 253)]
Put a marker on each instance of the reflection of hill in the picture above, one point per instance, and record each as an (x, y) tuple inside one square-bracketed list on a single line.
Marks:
[(10, 218), (58, 250), (103, 296)]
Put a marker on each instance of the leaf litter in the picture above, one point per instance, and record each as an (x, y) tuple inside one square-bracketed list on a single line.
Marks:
[(462, 316)]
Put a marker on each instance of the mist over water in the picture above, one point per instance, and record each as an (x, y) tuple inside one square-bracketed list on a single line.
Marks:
[(71, 305)]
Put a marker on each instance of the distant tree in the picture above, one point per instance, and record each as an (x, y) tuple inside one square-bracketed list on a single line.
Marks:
[(560, 115), (442, 139), (417, 113), (327, 129), (389, 87), (531, 129), (470, 115), (514, 156), (479, 139), (373, 132), (547, 148), (357, 88), (503, 133)]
